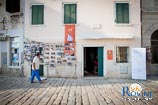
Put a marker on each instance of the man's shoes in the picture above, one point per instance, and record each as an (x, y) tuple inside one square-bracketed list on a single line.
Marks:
[(31, 82), (42, 81)]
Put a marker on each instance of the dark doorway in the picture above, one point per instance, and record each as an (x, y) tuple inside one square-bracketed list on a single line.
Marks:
[(93, 61), (154, 47)]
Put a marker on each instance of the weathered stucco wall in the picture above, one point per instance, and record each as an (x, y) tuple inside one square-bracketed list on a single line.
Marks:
[(12, 27), (94, 17), (89, 14), (111, 68), (149, 26)]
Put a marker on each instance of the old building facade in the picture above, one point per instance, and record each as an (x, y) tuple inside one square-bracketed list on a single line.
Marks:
[(150, 34), (79, 38), (11, 35)]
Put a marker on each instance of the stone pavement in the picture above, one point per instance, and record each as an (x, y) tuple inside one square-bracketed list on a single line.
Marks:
[(61, 91)]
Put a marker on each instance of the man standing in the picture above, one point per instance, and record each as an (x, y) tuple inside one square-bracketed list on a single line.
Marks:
[(35, 68)]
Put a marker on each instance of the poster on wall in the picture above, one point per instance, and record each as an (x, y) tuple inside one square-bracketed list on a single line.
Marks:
[(109, 54), (139, 58), (69, 41)]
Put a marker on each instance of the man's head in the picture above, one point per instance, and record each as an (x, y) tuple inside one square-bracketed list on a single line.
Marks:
[(38, 55)]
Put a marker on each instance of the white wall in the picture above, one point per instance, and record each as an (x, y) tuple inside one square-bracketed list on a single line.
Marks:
[(89, 14), (93, 17)]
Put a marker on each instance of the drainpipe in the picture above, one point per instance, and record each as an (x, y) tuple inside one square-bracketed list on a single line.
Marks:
[(141, 18)]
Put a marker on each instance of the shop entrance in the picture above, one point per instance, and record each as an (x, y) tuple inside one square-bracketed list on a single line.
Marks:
[(93, 61)]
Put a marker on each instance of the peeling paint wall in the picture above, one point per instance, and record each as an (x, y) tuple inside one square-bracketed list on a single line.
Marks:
[(12, 26)]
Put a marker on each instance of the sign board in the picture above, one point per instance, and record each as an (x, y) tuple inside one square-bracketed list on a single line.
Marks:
[(139, 63), (109, 54)]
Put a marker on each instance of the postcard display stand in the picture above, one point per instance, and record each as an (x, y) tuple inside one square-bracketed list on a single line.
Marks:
[(52, 54)]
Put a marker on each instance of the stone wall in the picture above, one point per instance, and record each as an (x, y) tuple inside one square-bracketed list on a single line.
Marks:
[(149, 26), (11, 25)]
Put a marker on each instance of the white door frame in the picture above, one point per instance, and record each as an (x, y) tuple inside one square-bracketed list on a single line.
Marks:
[(104, 58)]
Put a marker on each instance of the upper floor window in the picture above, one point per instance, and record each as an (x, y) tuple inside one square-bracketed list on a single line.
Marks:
[(37, 14), (13, 6), (122, 13), (156, 5), (122, 55), (156, 2), (70, 13)]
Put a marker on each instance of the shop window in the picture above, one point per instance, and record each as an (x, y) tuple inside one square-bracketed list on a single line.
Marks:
[(122, 13), (122, 54), (13, 6), (156, 2), (156, 5), (154, 47), (14, 52), (37, 14), (70, 13)]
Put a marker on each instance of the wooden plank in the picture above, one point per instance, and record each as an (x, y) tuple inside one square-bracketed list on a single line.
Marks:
[(78, 93), (66, 94), (60, 94), (55, 95), (71, 97), (85, 98)]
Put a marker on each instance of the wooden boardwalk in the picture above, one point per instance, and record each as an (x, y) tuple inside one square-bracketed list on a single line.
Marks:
[(60, 91)]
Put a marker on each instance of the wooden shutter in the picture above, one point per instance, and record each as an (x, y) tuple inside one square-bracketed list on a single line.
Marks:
[(37, 14), (126, 13), (73, 13), (69, 13), (119, 16), (40, 14), (66, 13), (34, 14), (122, 12)]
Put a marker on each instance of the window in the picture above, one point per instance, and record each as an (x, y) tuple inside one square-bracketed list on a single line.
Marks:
[(156, 5), (37, 14), (122, 55), (70, 13), (13, 6), (14, 52), (156, 2), (122, 13)]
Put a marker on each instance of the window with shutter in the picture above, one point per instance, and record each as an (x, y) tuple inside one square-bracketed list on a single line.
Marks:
[(156, 2), (122, 55), (122, 13), (70, 13), (37, 14), (156, 5)]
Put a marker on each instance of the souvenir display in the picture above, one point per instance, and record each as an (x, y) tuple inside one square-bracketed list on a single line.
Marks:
[(52, 54), (31, 48)]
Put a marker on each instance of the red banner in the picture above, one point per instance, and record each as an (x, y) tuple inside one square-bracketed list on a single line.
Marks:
[(69, 40), (109, 54)]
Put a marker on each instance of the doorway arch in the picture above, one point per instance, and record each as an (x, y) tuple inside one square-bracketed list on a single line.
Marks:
[(154, 47)]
